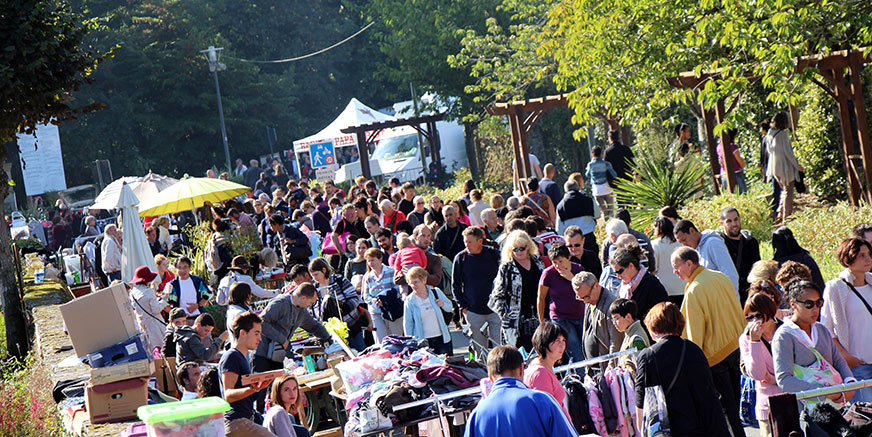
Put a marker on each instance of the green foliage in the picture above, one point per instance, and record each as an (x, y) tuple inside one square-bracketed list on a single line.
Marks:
[(656, 186), (753, 209), (198, 235), (455, 191), (820, 230), (818, 140), (26, 405)]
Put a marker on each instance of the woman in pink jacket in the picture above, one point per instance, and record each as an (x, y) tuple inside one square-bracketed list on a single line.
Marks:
[(756, 350)]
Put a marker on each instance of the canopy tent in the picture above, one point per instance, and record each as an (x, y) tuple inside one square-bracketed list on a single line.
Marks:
[(145, 188), (191, 193), (135, 251), (354, 114)]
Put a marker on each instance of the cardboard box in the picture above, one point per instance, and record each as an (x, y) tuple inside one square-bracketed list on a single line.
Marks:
[(255, 378), (127, 351), (117, 401), (99, 320), (163, 374), (135, 369)]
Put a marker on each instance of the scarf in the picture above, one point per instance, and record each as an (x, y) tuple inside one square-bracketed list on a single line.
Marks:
[(627, 288), (801, 336)]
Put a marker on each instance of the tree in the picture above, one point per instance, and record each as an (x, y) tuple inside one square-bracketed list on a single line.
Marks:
[(44, 59)]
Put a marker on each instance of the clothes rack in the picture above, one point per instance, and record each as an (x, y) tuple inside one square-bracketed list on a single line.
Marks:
[(826, 391), (595, 360)]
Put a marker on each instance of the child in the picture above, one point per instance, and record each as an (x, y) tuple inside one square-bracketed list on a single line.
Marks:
[(623, 313), (423, 316), (408, 254), (177, 319)]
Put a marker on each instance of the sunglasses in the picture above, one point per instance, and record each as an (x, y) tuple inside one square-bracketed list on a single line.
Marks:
[(809, 304), (753, 316), (519, 249), (574, 245), (620, 272)]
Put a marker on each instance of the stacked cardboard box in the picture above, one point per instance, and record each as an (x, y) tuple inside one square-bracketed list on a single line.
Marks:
[(101, 326)]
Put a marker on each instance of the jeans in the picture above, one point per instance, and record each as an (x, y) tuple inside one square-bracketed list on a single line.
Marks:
[(356, 341), (477, 321), (862, 373), (385, 327), (574, 331), (114, 276), (741, 185), (440, 347), (606, 204), (262, 364), (727, 382)]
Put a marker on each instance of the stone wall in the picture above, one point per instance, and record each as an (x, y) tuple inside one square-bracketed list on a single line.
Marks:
[(54, 346)]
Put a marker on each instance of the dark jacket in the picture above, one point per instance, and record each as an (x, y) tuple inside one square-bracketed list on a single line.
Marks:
[(692, 404), (551, 188), (169, 343), (190, 347), (474, 278), (805, 259), (648, 293), (203, 291), (448, 242), (575, 204), (621, 158)]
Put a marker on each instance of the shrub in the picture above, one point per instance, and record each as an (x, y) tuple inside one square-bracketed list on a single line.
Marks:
[(658, 185), (817, 142), (455, 191), (820, 231), (26, 405), (753, 208)]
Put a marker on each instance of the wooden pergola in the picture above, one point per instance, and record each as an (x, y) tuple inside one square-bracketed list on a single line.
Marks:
[(846, 89), (523, 115), (364, 140)]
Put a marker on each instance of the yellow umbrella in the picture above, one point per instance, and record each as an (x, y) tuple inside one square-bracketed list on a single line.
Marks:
[(190, 194)]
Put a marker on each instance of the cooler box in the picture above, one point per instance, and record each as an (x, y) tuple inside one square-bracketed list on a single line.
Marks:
[(127, 351), (195, 418), (115, 402)]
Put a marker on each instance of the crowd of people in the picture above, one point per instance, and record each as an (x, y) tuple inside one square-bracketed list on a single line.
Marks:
[(522, 276)]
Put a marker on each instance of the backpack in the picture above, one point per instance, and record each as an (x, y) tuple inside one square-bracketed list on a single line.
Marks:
[(213, 259), (577, 405)]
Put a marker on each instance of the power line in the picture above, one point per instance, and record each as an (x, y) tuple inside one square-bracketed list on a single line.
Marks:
[(281, 61)]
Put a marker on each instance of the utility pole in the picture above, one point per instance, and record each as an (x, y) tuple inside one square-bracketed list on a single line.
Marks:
[(212, 56)]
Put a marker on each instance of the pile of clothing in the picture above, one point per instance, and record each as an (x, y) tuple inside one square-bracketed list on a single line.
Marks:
[(399, 371), (603, 404)]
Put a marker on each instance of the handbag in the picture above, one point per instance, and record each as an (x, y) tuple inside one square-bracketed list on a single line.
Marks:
[(748, 402), (656, 419), (329, 249), (820, 373), (800, 183), (391, 304), (447, 316)]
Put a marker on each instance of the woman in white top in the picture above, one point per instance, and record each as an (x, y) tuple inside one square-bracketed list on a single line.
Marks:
[(847, 310), (240, 302), (148, 307), (663, 245), (286, 400), (378, 280)]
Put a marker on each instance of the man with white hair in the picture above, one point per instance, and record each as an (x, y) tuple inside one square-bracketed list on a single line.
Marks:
[(448, 240), (417, 215), (110, 252), (390, 215), (491, 224), (240, 168)]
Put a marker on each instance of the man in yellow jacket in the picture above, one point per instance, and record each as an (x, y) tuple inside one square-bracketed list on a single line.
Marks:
[(714, 322)]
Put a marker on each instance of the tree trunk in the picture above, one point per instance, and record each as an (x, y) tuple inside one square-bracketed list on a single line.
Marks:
[(13, 308), (471, 156)]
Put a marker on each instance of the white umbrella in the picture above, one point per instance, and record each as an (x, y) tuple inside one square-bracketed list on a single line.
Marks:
[(135, 251), (145, 188)]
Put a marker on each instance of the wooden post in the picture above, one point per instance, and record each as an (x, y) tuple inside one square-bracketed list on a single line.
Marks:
[(363, 151), (520, 170), (725, 148), (709, 117), (862, 122), (854, 189)]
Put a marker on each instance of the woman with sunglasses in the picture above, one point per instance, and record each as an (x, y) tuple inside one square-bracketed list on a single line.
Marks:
[(803, 350), (516, 289), (636, 282), (755, 345)]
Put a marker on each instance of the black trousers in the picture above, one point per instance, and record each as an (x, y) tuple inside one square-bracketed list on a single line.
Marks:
[(726, 378)]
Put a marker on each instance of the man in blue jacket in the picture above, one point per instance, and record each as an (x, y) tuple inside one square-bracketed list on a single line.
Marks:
[(513, 409), (713, 253)]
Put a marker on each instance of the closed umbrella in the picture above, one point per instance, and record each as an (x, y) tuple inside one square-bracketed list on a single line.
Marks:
[(189, 194), (145, 188), (135, 251)]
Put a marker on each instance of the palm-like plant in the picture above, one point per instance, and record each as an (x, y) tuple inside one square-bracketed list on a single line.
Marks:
[(657, 185)]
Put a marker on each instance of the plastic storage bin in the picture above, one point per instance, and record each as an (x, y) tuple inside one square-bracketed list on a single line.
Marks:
[(197, 418)]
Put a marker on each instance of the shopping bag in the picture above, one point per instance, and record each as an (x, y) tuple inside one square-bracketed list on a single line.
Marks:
[(329, 249), (748, 402)]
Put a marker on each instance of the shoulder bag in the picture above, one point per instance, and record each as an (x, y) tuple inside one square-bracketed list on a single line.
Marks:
[(656, 419)]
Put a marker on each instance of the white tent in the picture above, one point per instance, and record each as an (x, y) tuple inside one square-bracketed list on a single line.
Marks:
[(355, 113), (135, 251)]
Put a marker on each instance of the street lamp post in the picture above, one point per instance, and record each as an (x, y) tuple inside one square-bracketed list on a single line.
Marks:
[(212, 56)]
